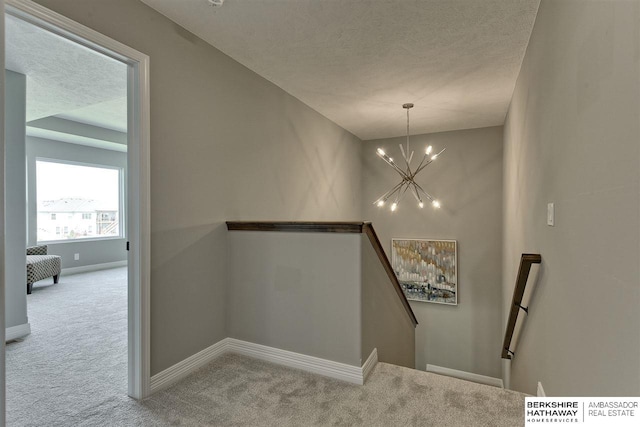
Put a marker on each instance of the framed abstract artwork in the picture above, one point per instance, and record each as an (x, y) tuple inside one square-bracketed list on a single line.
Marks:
[(426, 269)]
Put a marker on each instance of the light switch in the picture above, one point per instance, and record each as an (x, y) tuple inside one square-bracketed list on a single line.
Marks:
[(550, 214)]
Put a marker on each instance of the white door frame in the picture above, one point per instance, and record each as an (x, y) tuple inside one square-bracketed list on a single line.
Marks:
[(2, 227), (138, 219)]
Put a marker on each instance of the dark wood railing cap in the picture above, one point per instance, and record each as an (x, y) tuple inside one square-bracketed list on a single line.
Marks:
[(303, 226)]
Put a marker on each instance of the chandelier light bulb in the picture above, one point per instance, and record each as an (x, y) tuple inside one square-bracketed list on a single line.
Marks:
[(380, 203), (394, 206), (421, 205), (436, 204), (429, 149), (380, 151)]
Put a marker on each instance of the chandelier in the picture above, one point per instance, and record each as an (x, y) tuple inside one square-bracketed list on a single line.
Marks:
[(408, 182)]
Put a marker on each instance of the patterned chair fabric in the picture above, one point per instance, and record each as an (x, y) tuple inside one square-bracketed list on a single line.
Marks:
[(37, 250), (40, 265)]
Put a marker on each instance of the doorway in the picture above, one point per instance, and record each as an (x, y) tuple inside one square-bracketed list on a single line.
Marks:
[(137, 187)]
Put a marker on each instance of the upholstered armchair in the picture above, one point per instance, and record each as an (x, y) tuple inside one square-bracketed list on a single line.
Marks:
[(40, 265)]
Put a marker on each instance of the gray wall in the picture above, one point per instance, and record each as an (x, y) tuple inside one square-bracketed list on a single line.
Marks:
[(386, 325), (225, 145), (15, 201), (571, 137), (91, 252), (296, 291), (467, 179)]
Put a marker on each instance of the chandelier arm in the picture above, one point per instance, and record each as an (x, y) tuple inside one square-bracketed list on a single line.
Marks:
[(404, 154), (401, 191), (415, 192), (406, 159), (420, 167), (397, 190), (402, 173), (435, 156), (427, 195), (388, 194), (388, 160), (439, 152), (397, 199)]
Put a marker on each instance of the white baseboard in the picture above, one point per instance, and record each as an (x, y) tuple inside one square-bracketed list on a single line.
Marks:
[(540, 391), (463, 375), (184, 368), (328, 368), (18, 331), (93, 267), (369, 364)]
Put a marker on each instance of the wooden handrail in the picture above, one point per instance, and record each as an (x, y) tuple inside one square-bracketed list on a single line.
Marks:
[(375, 242), (516, 304), (318, 227), (331, 227)]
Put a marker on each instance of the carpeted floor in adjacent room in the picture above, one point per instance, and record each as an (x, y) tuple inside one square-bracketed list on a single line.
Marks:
[(71, 371)]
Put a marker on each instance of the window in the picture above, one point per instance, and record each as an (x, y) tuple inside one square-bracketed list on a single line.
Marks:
[(84, 201)]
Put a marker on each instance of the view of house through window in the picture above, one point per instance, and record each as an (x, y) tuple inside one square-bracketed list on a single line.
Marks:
[(77, 201)]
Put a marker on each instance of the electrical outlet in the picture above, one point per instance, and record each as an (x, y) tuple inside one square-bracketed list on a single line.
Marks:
[(551, 214), (76, 257)]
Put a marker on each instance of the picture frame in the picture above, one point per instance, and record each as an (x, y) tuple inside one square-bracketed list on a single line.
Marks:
[(427, 269)]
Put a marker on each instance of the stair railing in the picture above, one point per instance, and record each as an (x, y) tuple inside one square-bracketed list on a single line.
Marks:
[(332, 227), (516, 304)]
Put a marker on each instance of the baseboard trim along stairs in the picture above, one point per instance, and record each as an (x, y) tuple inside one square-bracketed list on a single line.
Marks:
[(463, 375), (369, 364), (15, 332), (328, 368), (182, 369)]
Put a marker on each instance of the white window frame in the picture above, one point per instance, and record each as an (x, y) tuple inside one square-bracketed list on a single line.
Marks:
[(122, 208)]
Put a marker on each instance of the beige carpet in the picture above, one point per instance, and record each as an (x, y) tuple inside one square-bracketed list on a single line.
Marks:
[(72, 372), (76, 355), (238, 391)]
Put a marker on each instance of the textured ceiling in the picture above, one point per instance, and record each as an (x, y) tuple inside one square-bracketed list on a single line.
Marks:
[(358, 61), (65, 79)]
